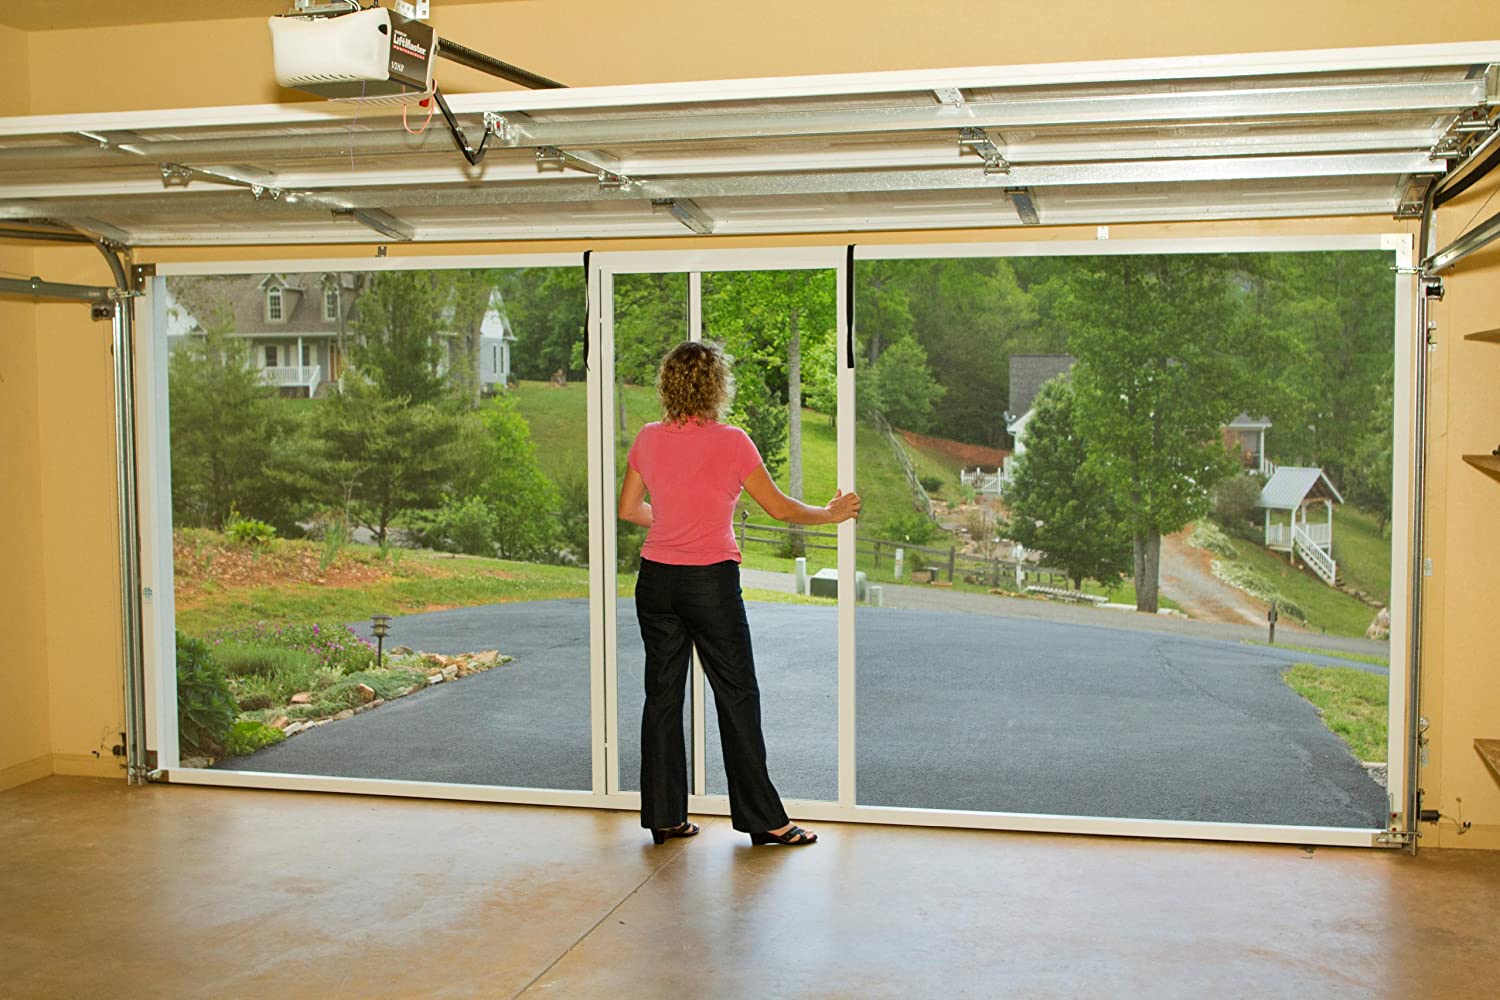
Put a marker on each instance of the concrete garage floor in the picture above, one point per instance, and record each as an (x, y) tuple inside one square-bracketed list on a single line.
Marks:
[(168, 892)]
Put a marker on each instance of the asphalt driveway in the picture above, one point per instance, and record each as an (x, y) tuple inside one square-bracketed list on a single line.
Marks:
[(955, 711)]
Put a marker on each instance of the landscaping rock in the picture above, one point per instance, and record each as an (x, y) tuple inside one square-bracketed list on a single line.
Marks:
[(401, 650), (366, 693), (294, 729), (376, 703), (450, 672), (1380, 628), (488, 658), (301, 698), (434, 678), (279, 722), (197, 762), (347, 713)]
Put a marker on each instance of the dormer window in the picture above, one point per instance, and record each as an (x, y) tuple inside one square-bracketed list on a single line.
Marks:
[(330, 304), (275, 308)]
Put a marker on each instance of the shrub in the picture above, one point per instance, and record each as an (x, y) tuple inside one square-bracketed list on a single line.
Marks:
[(460, 525), (239, 659), (331, 645), (910, 526), (249, 531), (1234, 503), (932, 484), (573, 521), (248, 736), (206, 708)]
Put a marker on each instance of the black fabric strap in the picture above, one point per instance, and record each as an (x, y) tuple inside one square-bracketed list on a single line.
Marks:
[(849, 300), (588, 309)]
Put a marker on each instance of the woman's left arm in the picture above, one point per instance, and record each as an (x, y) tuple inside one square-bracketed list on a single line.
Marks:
[(633, 505)]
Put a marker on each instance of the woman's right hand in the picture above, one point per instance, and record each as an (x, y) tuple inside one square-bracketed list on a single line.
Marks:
[(843, 506)]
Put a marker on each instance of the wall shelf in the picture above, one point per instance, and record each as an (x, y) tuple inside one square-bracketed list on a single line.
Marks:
[(1490, 336), (1488, 464)]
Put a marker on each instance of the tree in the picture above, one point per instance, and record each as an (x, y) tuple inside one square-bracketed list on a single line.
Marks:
[(1334, 312), (546, 307), (471, 293), (400, 316), (523, 502), (379, 456), (226, 429), (760, 414), (1059, 503), (768, 317), (1166, 356), (902, 388)]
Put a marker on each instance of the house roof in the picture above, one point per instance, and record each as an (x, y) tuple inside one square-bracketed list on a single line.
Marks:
[(302, 303), (1245, 422), (1028, 373), (1289, 485)]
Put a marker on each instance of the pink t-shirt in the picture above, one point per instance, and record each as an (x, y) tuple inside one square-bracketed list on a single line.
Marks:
[(693, 472)]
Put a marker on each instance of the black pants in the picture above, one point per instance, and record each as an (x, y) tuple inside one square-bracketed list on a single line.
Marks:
[(680, 607)]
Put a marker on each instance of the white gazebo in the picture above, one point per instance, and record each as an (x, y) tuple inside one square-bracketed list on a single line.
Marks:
[(1293, 489)]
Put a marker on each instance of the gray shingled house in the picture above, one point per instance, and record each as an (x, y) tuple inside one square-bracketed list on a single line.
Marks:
[(302, 325)]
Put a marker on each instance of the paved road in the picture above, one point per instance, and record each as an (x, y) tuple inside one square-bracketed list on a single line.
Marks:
[(956, 710)]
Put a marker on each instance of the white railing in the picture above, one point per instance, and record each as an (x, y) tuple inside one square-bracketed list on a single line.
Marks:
[(985, 483), (293, 375), (1279, 536), (1319, 561)]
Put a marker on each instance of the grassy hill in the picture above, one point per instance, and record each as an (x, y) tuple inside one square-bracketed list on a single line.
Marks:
[(558, 419), (1363, 552)]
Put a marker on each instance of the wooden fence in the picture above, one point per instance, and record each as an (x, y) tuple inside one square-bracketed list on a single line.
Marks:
[(946, 562)]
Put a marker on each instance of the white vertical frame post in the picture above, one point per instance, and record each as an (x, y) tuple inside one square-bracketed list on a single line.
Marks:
[(153, 475), (600, 579), (1408, 342), (847, 538), (698, 692), (601, 438)]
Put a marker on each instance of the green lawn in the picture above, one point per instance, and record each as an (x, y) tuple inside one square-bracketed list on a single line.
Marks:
[(1363, 552), (1352, 703), (1379, 661), (1326, 609), (420, 581)]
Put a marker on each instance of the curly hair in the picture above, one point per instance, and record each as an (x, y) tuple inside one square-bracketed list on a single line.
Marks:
[(695, 382)]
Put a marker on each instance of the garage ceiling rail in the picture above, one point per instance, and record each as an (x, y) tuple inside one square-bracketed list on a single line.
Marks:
[(1331, 133)]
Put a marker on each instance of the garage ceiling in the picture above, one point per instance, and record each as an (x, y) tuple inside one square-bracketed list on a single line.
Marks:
[(1334, 133)]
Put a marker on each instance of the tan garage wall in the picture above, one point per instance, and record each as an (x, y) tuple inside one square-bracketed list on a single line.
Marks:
[(25, 739), (1461, 692), (594, 42), (588, 42)]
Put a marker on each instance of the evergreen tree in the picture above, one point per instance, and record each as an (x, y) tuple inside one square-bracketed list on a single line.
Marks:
[(227, 430), (1059, 504), (378, 456)]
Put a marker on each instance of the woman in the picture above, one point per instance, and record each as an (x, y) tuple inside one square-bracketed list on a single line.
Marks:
[(688, 591)]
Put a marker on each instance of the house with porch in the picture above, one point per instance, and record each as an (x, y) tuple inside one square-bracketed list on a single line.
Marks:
[(1028, 373), (1247, 435), (301, 327), (1288, 497)]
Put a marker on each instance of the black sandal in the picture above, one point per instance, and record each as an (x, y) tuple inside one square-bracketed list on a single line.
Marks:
[(683, 829), (795, 837)]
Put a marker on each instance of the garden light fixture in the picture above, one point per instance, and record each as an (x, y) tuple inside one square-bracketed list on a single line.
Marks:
[(381, 626)]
